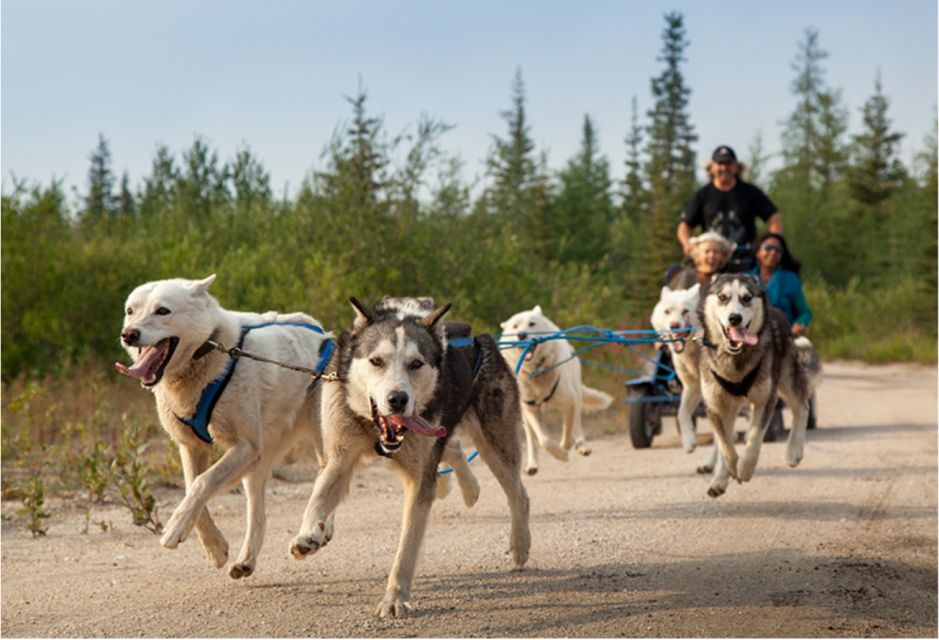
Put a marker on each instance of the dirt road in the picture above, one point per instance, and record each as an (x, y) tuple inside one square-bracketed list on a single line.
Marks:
[(625, 543)]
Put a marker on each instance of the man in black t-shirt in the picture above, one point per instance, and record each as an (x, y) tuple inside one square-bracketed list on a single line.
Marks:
[(729, 206)]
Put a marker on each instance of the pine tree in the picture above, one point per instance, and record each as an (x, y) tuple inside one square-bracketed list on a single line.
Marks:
[(634, 193), (669, 166), (583, 210), (202, 187), (876, 172), (160, 186), (252, 183), (511, 164), (126, 203), (99, 203)]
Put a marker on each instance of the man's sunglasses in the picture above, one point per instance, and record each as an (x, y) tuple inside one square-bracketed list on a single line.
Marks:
[(771, 247)]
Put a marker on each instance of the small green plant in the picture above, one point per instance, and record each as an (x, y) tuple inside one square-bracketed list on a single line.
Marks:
[(94, 473), (33, 491), (129, 472)]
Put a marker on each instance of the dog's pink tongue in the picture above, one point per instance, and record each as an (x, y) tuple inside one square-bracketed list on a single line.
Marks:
[(143, 367), (417, 424), (740, 334)]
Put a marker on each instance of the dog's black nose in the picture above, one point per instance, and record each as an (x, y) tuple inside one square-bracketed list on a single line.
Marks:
[(735, 319), (522, 335), (130, 336), (398, 401)]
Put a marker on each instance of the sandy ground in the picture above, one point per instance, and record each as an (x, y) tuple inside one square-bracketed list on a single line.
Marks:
[(625, 543)]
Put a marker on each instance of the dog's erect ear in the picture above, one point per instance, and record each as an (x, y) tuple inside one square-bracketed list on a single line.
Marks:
[(363, 317), (695, 290), (538, 310), (201, 286), (435, 316), (664, 292)]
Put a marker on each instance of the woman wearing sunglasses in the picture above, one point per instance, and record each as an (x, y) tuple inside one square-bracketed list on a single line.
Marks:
[(779, 274)]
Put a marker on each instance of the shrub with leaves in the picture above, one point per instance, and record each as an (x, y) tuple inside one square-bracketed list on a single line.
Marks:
[(33, 493), (129, 472)]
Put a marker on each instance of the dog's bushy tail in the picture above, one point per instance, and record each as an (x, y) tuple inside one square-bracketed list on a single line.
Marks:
[(594, 399), (809, 360)]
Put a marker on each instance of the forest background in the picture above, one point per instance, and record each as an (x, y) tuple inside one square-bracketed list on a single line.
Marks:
[(393, 214)]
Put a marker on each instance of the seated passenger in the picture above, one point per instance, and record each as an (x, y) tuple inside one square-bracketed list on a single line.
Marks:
[(779, 275), (709, 253)]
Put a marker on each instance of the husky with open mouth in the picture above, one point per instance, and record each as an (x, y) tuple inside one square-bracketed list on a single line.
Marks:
[(748, 356), (253, 410), (403, 389), (549, 378)]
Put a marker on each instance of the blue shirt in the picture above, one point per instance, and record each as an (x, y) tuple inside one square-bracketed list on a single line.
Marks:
[(784, 291)]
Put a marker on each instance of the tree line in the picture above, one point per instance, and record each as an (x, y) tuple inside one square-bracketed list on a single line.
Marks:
[(393, 214)]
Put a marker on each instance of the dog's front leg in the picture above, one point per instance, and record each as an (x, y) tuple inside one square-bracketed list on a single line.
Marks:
[(195, 460), (469, 486), (573, 429), (229, 468), (532, 419), (332, 484), (255, 486), (758, 425), (724, 434), (795, 445), (418, 498), (690, 399)]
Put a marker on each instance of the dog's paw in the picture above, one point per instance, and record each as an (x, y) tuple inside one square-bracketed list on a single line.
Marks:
[(793, 455), (566, 442), (176, 530), (690, 444), (555, 451), (717, 488), (583, 448), (240, 570), (308, 544), (746, 467), (443, 487), (707, 467), (217, 552), (393, 607), (530, 471), (470, 491)]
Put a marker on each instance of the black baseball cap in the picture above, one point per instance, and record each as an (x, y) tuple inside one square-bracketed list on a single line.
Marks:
[(723, 154)]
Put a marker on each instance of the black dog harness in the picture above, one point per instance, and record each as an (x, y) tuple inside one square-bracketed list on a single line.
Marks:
[(199, 422), (550, 395), (741, 388)]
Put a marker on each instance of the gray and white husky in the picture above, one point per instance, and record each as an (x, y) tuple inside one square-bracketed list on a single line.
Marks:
[(749, 356), (254, 411), (402, 391)]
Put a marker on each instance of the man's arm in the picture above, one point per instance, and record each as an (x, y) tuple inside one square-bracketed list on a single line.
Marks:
[(684, 237), (774, 223)]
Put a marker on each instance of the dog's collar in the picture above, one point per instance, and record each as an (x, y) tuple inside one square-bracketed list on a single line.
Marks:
[(554, 388), (199, 422), (742, 387), (207, 347)]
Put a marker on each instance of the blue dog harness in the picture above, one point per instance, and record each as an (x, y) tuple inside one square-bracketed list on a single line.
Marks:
[(199, 423)]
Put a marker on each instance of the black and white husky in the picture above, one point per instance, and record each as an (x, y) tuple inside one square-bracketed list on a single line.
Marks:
[(749, 356), (403, 389)]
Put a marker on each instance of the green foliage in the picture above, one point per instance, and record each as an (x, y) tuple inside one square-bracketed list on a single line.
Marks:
[(129, 473), (33, 492), (93, 472)]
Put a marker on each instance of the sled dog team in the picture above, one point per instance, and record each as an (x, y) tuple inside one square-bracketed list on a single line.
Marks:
[(403, 383)]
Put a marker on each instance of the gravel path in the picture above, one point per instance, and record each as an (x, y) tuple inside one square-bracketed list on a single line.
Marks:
[(625, 543)]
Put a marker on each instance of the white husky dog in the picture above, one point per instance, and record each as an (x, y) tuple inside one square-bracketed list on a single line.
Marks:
[(253, 410), (676, 312), (559, 387)]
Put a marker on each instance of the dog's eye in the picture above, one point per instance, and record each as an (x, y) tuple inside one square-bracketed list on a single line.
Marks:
[(746, 299), (723, 298), (162, 311), (129, 311), (531, 324), (415, 365), (377, 362)]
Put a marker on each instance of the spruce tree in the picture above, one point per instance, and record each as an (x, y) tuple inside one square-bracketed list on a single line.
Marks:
[(126, 203), (634, 194), (669, 166), (511, 164), (876, 172), (99, 203), (583, 210)]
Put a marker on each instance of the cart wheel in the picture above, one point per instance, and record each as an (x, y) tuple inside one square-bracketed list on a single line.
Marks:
[(643, 424), (776, 429), (813, 417)]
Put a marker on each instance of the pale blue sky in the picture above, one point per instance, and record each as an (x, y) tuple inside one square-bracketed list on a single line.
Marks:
[(273, 74)]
